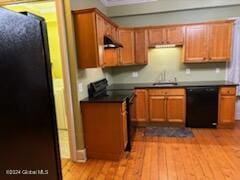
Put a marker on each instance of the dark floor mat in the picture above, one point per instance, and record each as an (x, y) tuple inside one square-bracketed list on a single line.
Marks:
[(168, 132)]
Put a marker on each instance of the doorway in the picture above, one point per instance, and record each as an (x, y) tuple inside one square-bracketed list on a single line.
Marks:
[(47, 10)]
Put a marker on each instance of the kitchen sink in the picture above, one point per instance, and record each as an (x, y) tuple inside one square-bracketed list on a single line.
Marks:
[(165, 84)]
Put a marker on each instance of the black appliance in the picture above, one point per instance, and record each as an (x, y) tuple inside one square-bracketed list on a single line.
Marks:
[(109, 43), (202, 107), (29, 140), (98, 91)]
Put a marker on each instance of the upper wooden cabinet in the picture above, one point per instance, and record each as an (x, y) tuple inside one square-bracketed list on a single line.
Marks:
[(141, 46), (220, 41), (202, 42), (210, 42), (166, 35), (127, 53), (175, 34), (90, 27), (196, 43), (156, 36)]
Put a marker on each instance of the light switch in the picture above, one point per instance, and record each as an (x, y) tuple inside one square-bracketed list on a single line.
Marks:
[(135, 74), (80, 87), (188, 71), (217, 70)]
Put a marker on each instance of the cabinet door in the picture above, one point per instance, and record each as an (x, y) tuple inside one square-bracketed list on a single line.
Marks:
[(220, 40), (125, 132), (86, 40), (175, 35), (157, 108), (196, 49), (157, 36), (127, 55), (100, 38), (227, 110), (141, 46), (110, 57), (176, 109), (141, 105)]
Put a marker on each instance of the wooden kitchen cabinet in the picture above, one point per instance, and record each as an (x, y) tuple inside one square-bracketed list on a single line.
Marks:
[(141, 105), (176, 109), (166, 35), (157, 35), (196, 40), (220, 41), (127, 53), (105, 130), (141, 46), (167, 106), (175, 35), (209, 42), (111, 56), (157, 108), (90, 27), (226, 107)]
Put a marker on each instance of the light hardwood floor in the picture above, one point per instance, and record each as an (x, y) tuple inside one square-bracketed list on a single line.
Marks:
[(211, 154)]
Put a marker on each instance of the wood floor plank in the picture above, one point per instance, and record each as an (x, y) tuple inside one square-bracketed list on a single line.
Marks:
[(212, 154)]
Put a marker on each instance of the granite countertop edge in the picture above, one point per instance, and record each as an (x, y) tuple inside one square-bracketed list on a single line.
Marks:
[(132, 86)]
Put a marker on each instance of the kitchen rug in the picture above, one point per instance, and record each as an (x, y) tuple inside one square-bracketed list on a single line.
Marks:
[(168, 132)]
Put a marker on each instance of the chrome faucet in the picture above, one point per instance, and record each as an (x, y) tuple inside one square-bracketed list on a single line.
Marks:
[(162, 76)]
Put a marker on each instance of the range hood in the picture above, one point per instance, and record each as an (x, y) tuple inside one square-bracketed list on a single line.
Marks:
[(110, 43)]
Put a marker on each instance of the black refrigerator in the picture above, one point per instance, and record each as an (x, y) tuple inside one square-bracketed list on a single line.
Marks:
[(28, 130)]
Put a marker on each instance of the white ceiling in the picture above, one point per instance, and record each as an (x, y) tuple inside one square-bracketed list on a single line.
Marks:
[(123, 2)]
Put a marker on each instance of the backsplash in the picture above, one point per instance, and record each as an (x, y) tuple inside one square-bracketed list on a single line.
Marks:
[(86, 76), (169, 60)]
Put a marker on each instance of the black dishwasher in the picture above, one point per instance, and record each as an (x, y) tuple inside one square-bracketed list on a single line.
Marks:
[(202, 107)]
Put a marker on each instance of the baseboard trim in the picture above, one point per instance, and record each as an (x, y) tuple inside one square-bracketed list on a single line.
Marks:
[(81, 156)]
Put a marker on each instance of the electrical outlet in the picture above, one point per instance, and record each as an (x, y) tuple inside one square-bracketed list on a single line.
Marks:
[(217, 70), (188, 71), (80, 87), (135, 74)]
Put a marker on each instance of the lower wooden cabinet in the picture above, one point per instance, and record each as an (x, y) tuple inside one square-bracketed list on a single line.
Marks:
[(157, 108), (105, 129), (141, 105), (226, 109), (175, 106), (167, 105)]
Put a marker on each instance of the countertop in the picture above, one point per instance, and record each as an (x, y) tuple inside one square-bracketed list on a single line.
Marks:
[(180, 84), (118, 93), (111, 97)]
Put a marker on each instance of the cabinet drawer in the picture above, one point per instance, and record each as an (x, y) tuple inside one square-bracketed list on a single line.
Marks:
[(172, 92), (176, 92), (155, 92), (228, 91)]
